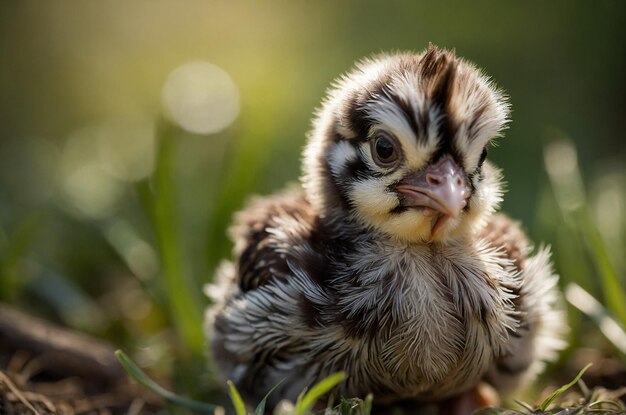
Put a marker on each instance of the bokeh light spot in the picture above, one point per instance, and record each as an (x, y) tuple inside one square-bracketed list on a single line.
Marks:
[(127, 148), (86, 188), (201, 98)]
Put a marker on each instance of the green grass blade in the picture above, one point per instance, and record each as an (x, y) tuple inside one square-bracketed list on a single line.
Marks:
[(524, 405), (614, 293), (585, 302), (345, 407), (305, 404), (170, 397), (181, 293), (584, 390), (614, 404), (569, 191), (562, 389), (235, 397), (23, 235), (300, 398), (260, 409), (367, 404)]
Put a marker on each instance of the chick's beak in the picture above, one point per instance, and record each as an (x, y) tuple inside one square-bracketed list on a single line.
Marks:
[(441, 189)]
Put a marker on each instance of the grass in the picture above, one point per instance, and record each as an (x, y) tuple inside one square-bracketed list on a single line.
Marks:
[(169, 397), (303, 406), (590, 402), (585, 245), (161, 200)]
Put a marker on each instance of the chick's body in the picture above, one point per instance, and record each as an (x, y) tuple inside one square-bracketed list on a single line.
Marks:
[(391, 264)]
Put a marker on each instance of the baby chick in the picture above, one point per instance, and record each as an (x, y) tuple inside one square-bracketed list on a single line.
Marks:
[(390, 263)]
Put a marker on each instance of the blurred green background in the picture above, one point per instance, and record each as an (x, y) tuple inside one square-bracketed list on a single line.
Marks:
[(112, 218)]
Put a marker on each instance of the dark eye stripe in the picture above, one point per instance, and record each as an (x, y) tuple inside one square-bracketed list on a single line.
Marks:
[(355, 106), (408, 112), (357, 169)]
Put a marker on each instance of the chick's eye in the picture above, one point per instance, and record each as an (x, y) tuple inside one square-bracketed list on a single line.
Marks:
[(385, 151)]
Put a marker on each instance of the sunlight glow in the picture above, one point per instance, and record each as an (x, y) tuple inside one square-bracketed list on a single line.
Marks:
[(86, 188), (561, 162), (126, 148), (201, 98), (610, 204)]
